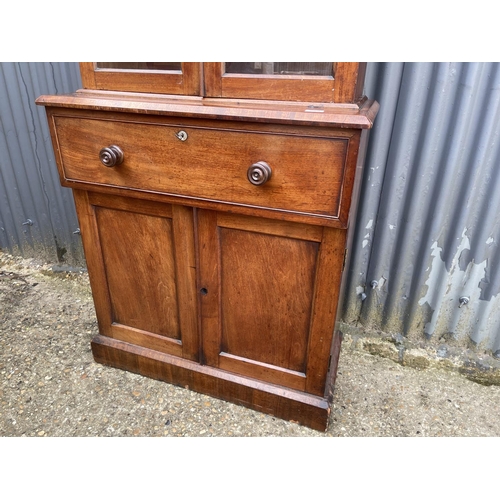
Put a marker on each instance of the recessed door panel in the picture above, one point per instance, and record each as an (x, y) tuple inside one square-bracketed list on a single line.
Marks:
[(138, 248), (142, 271), (267, 286)]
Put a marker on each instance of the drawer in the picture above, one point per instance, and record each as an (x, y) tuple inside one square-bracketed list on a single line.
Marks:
[(307, 172)]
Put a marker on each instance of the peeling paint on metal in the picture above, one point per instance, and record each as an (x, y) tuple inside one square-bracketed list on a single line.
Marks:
[(443, 296), (366, 240), (431, 187)]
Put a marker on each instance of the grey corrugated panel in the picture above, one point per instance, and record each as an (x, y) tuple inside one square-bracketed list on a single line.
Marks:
[(30, 186), (383, 82), (428, 226)]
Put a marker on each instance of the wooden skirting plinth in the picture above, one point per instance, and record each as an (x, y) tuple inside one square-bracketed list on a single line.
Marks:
[(296, 406)]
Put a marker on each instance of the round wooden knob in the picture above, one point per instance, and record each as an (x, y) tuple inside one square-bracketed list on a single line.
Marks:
[(259, 173), (111, 156)]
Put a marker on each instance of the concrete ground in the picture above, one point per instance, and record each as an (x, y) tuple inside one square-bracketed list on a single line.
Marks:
[(50, 385)]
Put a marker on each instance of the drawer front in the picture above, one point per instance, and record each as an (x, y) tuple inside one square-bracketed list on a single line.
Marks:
[(307, 172)]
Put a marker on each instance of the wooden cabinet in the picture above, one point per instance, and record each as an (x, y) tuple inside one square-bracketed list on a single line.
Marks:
[(215, 227)]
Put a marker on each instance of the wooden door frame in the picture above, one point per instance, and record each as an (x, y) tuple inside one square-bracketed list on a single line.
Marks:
[(186, 82), (187, 346), (344, 87), (324, 303), (209, 79)]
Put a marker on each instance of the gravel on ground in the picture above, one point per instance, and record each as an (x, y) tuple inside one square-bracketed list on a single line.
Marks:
[(51, 386)]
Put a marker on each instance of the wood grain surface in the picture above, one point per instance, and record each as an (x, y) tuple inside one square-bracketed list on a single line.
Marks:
[(212, 164)]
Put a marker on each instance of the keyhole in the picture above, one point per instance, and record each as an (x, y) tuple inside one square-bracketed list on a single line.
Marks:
[(203, 291)]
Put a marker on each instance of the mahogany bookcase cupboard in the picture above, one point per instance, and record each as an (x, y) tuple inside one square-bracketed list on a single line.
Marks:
[(214, 201)]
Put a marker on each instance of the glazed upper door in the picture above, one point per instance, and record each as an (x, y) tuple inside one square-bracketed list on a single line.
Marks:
[(141, 265), (325, 82), (156, 77), (284, 81), (268, 293)]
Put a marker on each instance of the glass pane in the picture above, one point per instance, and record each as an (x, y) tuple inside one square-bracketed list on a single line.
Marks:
[(281, 68), (159, 66)]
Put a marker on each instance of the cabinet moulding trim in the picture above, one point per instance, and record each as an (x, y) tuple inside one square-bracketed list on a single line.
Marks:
[(358, 116), (236, 208)]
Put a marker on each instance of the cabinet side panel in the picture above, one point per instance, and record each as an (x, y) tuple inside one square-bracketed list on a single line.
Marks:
[(326, 296)]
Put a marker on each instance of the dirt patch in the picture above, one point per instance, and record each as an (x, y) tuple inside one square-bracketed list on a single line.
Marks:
[(51, 386)]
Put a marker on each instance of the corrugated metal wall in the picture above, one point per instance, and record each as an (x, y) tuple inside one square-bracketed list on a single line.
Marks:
[(429, 223), (29, 184), (428, 226)]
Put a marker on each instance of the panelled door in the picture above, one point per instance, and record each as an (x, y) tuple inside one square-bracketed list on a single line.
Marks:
[(142, 271), (259, 280)]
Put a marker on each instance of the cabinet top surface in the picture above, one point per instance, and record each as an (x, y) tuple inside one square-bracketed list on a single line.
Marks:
[(358, 116)]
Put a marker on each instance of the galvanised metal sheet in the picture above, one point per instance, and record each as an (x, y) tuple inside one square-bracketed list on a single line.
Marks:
[(37, 216), (425, 259), (427, 231)]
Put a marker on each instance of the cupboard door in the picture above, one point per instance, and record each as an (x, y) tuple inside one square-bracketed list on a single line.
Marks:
[(157, 78), (306, 82), (268, 294), (141, 264)]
